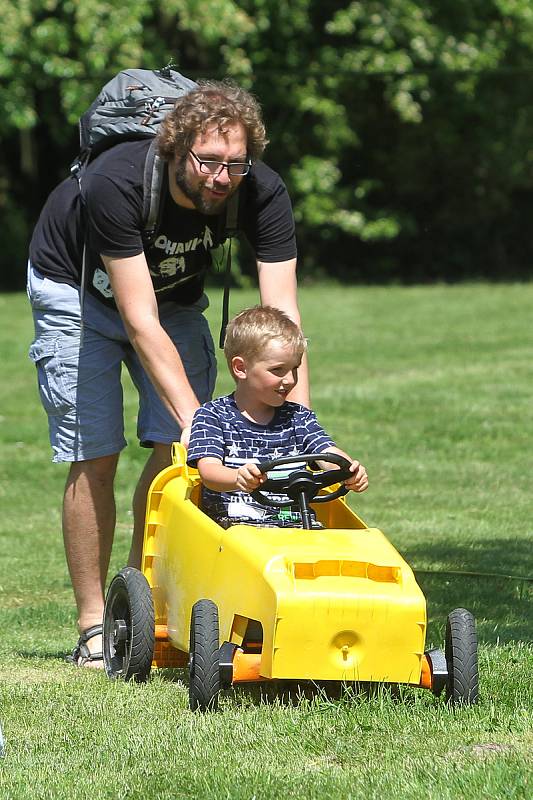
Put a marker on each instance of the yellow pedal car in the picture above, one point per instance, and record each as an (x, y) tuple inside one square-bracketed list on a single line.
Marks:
[(329, 603)]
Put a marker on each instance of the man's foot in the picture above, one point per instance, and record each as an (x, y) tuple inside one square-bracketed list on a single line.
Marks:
[(85, 656)]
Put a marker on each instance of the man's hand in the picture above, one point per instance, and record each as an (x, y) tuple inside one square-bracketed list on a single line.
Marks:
[(249, 478), (185, 436)]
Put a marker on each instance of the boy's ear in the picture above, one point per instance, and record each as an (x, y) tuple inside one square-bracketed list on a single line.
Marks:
[(238, 367)]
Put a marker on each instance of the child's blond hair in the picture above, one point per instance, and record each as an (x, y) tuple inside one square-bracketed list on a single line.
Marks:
[(253, 329)]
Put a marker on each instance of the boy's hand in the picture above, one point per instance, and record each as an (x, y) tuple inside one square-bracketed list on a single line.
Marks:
[(249, 477), (359, 481)]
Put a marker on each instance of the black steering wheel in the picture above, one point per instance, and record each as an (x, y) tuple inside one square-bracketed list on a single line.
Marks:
[(301, 485)]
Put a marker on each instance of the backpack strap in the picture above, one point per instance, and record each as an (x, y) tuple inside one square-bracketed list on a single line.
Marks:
[(225, 298), (77, 171), (231, 229), (154, 192), (155, 184)]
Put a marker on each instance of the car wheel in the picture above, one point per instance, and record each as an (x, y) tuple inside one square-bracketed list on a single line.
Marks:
[(129, 627), (462, 686), (204, 670)]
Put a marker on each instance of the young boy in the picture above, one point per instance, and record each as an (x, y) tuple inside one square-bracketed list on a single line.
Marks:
[(232, 434)]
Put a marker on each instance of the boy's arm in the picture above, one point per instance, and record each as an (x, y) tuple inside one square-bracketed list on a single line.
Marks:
[(219, 478), (359, 481)]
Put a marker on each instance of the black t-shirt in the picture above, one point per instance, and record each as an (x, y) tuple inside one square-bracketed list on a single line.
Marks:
[(112, 213)]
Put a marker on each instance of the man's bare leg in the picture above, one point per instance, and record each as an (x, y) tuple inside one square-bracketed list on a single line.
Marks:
[(158, 460), (88, 531)]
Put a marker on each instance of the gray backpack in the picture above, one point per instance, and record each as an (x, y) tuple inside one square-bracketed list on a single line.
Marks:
[(131, 106)]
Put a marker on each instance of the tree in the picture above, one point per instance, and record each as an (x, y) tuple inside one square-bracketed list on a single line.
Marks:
[(401, 127)]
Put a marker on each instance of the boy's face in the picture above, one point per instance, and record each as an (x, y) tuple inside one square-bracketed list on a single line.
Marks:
[(269, 378)]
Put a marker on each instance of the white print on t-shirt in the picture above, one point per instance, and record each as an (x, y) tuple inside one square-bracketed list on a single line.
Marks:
[(101, 282), (232, 459), (238, 505), (176, 263), (169, 267), (241, 508), (166, 268), (169, 286), (176, 248)]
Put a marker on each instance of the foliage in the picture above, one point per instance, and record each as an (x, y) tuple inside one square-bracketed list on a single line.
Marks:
[(401, 127)]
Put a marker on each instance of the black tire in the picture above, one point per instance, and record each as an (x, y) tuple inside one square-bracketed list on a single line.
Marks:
[(462, 685), (129, 627), (204, 669)]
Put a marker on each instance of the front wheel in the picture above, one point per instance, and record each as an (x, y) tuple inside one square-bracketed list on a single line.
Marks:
[(204, 666), (462, 686), (129, 627)]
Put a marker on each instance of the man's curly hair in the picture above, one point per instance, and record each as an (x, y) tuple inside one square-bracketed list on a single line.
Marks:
[(213, 103)]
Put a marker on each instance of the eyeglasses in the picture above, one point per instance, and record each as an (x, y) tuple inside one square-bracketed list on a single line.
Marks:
[(235, 168)]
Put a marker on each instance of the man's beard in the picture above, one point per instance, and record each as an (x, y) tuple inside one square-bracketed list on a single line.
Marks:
[(194, 194)]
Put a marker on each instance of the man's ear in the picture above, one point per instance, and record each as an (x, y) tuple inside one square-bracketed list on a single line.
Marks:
[(238, 367)]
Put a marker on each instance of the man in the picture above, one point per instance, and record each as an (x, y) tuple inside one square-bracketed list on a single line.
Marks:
[(142, 305)]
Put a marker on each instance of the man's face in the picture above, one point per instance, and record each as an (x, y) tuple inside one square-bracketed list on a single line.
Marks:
[(208, 193)]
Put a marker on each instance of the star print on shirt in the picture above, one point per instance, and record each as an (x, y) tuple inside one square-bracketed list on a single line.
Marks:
[(234, 449), (219, 429)]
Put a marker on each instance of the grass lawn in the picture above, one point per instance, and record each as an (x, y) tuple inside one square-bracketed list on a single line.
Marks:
[(431, 387)]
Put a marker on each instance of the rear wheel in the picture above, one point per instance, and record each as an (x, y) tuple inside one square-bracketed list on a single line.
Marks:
[(129, 627), (462, 686), (204, 669)]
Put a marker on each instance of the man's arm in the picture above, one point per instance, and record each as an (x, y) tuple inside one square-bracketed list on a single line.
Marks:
[(278, 288), (135, 298)]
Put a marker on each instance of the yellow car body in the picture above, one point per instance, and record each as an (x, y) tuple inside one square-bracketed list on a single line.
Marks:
[(335, 604)]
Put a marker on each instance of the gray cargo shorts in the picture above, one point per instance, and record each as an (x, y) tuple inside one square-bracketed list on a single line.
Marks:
[(80, 386)]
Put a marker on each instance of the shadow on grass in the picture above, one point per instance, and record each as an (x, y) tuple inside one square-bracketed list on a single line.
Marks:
[(43, 655), (292, 692), (502, 605), (507, 555), (502, 608)]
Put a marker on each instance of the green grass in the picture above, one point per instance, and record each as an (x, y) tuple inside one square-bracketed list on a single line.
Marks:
[(431, 387)]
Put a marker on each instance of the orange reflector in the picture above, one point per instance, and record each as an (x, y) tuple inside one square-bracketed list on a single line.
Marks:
[(161, 632), (426, 680), (246, 667)]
